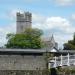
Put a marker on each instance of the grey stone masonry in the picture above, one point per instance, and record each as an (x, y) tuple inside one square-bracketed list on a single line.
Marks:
[(23, 21), (22, 59), (19, 62)]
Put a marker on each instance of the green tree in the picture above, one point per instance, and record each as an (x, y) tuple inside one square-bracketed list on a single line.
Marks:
[(70, 45), (31, 38)]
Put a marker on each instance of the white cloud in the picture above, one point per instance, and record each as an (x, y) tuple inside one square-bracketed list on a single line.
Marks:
[(61, 38), (54, 23), (73, 16), (5, 30), (38, 21), (59, 23), (65, 2), (42, 22), (62, 24), (37, 18), (12, 14)]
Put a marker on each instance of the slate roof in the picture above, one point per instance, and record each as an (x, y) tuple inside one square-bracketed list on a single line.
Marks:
[(22, 51), (34, 51)]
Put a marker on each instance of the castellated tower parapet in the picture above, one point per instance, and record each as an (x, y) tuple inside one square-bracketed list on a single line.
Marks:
[(23, 21)]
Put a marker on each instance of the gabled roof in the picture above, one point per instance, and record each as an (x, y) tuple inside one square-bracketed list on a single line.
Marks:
[(53, 50)]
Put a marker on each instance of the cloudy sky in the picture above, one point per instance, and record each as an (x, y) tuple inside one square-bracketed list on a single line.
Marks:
[(55, 17)]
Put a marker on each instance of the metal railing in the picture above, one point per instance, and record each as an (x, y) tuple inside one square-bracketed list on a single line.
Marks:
[(67, 60)]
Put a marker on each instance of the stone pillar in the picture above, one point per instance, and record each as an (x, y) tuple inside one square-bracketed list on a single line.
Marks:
[(68, 62), (61, 60), (55, 62), (49, 65)]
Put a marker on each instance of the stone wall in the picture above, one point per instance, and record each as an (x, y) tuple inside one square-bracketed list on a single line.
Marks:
[(22, 62), (24, 72)]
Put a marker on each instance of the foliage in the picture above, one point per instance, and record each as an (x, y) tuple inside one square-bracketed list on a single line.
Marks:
[(66, 71), (31, 38), (70, 45)]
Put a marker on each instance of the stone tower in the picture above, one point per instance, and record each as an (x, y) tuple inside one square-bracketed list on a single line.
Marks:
[(23, 21)]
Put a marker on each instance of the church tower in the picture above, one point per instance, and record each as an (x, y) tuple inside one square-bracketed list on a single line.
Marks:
[(23, 21)]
